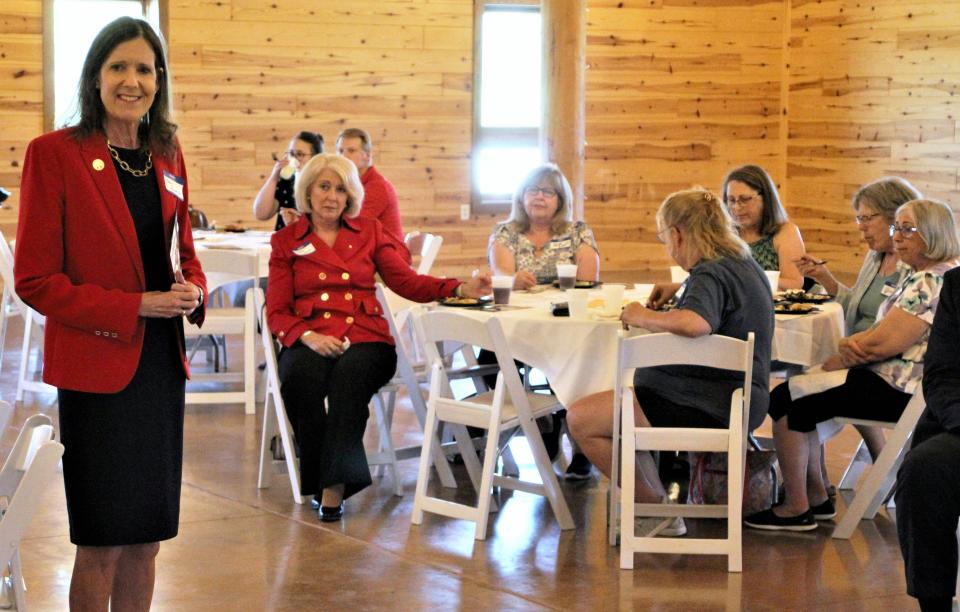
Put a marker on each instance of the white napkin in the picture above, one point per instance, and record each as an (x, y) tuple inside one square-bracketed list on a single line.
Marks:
[(815, 381)]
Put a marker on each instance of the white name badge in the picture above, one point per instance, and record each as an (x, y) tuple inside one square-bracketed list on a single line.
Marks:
[(560, 244), (888, 290), (174, 184), (304, 249)]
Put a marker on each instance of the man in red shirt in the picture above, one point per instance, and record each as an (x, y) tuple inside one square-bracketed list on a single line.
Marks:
[(380, 198)]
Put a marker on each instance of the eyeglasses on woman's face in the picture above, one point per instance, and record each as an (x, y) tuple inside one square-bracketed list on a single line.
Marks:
[(546, 191), (741, 200), (861, 219), (907, 231), (300, 155)]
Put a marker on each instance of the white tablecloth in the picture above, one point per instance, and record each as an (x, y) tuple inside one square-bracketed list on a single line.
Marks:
[(578, 357), (250, 241)]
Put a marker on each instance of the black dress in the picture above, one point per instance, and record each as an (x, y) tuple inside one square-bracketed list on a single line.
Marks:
[(124, 451)]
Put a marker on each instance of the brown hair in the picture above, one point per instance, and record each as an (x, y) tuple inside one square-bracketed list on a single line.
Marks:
[(773, 214)]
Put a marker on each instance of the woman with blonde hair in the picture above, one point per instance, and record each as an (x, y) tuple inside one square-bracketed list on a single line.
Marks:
[(727, 294), (322, 306)]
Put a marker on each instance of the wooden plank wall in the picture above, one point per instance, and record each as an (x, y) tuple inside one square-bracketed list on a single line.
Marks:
[(678, 92), (826, 94), (872, 92)]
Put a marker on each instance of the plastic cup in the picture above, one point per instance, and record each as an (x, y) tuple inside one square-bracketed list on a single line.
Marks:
[(567, 275), (502, 285), (577, 300), (774, 278), (612, 299)]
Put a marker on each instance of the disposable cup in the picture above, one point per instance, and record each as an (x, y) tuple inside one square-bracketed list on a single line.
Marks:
[(502, 285), (774, 278), (577, 300), (567, 275), (612, 299)]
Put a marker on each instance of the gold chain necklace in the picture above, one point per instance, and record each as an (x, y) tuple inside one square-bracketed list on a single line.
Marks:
[(126, 167)]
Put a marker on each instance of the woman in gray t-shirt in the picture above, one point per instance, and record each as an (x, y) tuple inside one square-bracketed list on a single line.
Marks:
[(728, 294)]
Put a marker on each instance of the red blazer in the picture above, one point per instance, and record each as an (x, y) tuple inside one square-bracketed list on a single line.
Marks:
[(332, 290), (78, 261)]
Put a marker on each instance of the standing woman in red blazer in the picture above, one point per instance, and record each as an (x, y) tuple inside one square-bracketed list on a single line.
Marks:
[(322, 306), (104, 250)]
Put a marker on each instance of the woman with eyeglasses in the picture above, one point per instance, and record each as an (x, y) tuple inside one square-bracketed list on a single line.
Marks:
[(874, 205), (726, 294), (541, 233), (276, 195), (884, 365), (775, 242)]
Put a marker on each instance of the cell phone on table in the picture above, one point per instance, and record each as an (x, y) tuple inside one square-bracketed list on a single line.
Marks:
[(560, 309)]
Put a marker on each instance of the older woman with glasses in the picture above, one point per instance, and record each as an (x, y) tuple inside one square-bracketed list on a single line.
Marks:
[(874, 205), (752, 199), (541, 233), (884, 365)]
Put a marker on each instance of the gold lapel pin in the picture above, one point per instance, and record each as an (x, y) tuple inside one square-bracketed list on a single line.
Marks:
[(98, 165)]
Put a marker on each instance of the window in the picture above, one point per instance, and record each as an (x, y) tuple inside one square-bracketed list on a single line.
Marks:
[(507, 105), (75, 23)]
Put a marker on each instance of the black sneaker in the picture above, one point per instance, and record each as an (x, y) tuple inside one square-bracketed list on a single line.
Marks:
[(579, 468), (771, 522), (825, 511)]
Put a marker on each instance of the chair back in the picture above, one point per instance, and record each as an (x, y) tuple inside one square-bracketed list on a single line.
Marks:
[(225, 266), (714, 351), (427, 246), (25, 474), (443, 328), (6, 274)]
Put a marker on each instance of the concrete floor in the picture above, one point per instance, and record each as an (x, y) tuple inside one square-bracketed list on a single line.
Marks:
[(241, 548)]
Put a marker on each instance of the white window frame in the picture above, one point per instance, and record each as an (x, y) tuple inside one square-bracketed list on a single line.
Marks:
[(527, 137)]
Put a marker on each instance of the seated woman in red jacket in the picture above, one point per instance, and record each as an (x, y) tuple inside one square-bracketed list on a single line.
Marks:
[(322, 307)]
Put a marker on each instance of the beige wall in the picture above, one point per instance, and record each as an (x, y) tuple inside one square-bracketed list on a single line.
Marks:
[(824, 94)]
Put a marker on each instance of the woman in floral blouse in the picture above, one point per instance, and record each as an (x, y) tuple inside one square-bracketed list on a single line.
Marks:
[(541, 233), (884, 366)]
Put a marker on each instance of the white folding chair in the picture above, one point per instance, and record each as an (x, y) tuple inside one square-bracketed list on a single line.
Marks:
[(33, 324), (223, 267), (501, 412), (427, 246), (410, 376), (275, 422), (881, 478), (29, 468), (668, 349)]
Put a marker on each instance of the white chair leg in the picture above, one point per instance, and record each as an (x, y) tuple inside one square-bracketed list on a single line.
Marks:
[(249, 354), (430, 443), (735, 475), (268, 430), (553, 492), (485, 490), (861, 459), (19, 586), (24, 356), (871, 487)]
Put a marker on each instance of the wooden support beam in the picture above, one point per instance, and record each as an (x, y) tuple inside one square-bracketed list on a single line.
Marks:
[(564, 107)]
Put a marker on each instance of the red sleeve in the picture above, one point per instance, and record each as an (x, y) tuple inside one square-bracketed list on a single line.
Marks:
[(40, 270), (400, 277), (282, 318)]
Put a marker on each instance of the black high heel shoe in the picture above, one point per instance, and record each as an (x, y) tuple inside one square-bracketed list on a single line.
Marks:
[(331, 514)]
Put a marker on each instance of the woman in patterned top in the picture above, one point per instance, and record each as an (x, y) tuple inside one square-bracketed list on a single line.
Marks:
[(541, 233), (754, 204), (885, 365)]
